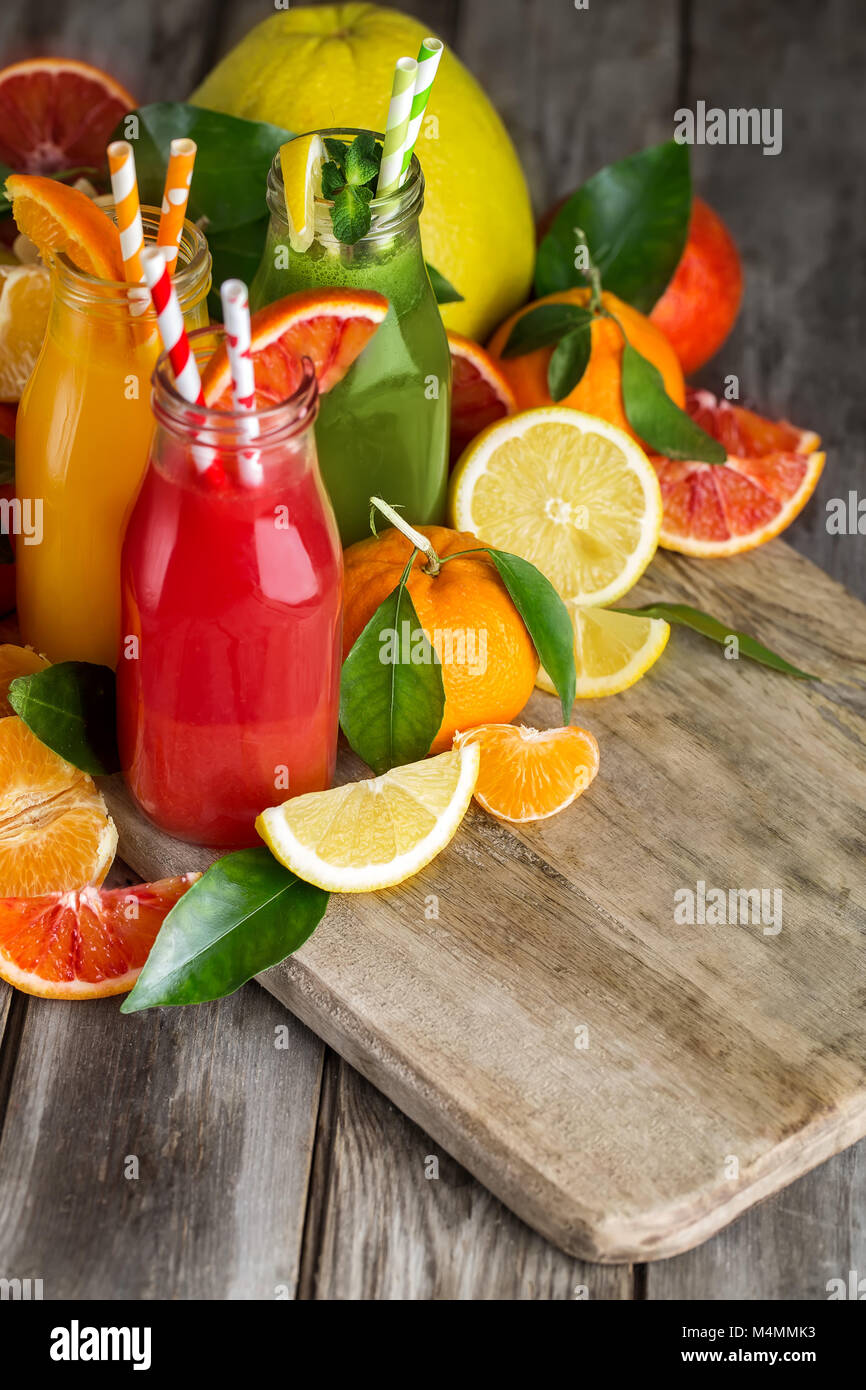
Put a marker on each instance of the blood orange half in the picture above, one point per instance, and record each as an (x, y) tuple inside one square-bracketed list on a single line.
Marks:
[(56, 113), (331, 327), (722, 509), (87, 944), (480, 392)]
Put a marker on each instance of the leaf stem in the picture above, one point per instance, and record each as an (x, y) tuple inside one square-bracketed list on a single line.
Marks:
[(420, 542), (593, 274)]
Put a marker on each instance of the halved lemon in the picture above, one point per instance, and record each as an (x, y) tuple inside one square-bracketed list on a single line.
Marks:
[(611, 650), (567, 491), (301, 165), (376, 833)]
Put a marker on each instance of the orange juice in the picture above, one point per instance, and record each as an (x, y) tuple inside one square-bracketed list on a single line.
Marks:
[(82, 440)]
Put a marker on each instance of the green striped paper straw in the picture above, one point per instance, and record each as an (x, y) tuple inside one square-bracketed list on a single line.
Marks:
[(397, 127), (429, 55)]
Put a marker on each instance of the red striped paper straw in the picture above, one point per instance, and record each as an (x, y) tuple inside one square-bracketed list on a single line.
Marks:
[(169, 321), (236, 319)]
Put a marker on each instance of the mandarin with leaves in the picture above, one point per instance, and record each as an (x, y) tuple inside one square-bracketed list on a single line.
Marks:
[(489, 663), (599, 391)]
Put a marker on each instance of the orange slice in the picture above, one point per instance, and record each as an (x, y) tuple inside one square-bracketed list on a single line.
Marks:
[(331, 327), (58, 218), (722, 509), (55, 833), (480, 392), (56, 113), (25, 299), (530, 774), (15, 662), (86, 944)]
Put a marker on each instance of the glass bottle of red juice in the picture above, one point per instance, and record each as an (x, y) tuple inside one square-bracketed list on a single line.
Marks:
[(231, 591)]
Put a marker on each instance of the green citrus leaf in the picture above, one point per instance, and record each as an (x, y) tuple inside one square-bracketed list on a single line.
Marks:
[(443, 289), (635, 214), (244, 915), (568, 362), (686, 616), (656, 419), (71, 709), (544, 325), (547, 621), (391, 692)]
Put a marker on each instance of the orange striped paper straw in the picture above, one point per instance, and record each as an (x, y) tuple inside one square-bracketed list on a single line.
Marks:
[(121, 166), (178, 178)]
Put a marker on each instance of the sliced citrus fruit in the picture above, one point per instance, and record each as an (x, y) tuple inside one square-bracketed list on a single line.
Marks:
[(15, 662), (85, 944), (25, 299), (722, 509), (57, 113), (480, 393), (611, 650), (567, 491), (376, 833), (331, 327), (55, 833), (58, 218), (530, 774), (301, 165)]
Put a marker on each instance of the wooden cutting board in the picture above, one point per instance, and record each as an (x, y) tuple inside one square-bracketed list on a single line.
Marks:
[(625, 1082)]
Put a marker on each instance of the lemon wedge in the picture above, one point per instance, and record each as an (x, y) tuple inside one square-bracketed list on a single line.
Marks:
[(373, 834), (301, 165), (569, 492), (611, 650)]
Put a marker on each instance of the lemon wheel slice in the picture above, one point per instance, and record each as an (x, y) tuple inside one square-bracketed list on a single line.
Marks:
[(373, 834), (569, 492), (611, 650), (301, 165)]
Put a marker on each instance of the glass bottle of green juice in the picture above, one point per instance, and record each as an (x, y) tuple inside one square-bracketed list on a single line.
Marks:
[(383, 430)]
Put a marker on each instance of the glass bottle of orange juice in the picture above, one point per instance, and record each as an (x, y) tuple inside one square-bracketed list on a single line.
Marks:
[(82, 440)]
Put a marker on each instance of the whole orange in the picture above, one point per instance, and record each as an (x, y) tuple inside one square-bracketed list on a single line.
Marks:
[(488, 659), (599, 391), (699, 307)]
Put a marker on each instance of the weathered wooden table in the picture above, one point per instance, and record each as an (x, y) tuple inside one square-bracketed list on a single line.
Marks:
[(266, 1166)]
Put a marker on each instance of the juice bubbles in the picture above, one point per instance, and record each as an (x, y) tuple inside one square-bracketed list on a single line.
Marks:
[(229, 666), (384, 429), (83, 431)]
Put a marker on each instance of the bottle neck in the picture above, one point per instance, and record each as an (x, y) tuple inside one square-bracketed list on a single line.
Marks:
[(393, 218), (112, 300)]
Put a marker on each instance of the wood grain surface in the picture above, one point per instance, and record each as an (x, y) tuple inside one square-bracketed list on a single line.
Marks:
[(722, 1061), (577, 89)]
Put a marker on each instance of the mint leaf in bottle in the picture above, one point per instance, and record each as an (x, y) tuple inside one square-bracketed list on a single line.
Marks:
[(350, 214)]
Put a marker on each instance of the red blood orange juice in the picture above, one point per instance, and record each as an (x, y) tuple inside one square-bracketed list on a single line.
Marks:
[(229, 663)]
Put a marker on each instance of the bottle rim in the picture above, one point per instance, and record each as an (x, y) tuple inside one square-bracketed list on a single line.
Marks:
[(191, 279), (388, 213), (229, 430)]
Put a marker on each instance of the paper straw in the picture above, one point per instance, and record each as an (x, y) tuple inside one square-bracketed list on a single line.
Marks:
[(429, 56), (175, 198), (169, 321), (236, 320), (397, 127), (124, 187)]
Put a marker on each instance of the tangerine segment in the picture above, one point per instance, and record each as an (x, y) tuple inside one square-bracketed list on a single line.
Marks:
[(57, 218), (480, 393), (86, 944), (57, 113), (15, 662), (55, 833), (331, 327), (714, 510), (530, 774)]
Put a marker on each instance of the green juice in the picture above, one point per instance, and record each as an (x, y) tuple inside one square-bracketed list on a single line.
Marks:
[(383, 430)]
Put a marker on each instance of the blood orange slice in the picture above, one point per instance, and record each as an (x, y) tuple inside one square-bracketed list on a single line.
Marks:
[(56, 113), (85, 944), (331, 327), (480, 392), (722, 509)]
